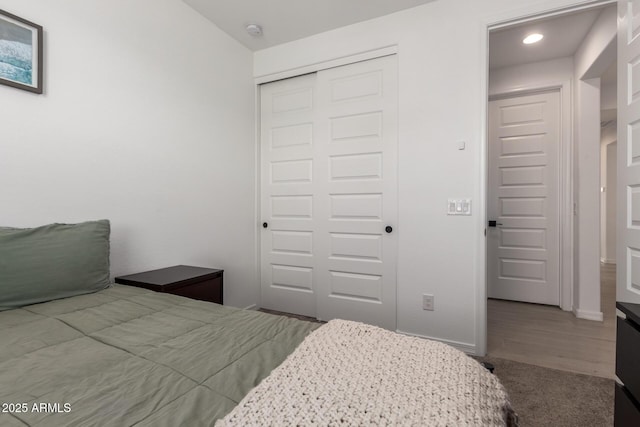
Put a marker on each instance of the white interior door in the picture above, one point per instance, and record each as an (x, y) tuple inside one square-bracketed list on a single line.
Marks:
[(358, 184), (628, 253), (329, 178), (523, 245), (288, 195)]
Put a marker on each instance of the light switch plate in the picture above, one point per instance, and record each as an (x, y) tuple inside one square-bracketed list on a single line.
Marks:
[(459, 207), (427, 302)]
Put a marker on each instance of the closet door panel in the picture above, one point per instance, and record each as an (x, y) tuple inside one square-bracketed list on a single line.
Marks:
[(288, 196), (356, 257)]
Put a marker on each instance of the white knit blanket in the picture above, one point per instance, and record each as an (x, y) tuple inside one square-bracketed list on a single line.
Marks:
[(348, 373)]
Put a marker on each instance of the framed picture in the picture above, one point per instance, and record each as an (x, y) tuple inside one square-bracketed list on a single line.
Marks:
[(20, 53)]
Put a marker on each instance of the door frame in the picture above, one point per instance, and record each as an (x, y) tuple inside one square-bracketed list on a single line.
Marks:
[(515, 16), (564, 182), (286, 74)]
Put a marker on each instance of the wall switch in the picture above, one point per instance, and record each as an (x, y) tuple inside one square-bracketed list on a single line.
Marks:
[(459, 207), (427, 302)]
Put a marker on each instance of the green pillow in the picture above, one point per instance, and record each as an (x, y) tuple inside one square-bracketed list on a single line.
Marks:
[(53, 261)]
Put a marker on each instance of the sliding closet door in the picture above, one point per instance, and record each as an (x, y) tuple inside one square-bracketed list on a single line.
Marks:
[(329, 193), (358, 192), (289, 196)]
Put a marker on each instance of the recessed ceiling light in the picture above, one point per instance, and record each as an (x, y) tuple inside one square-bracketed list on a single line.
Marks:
[(532, 38), (254, 30)]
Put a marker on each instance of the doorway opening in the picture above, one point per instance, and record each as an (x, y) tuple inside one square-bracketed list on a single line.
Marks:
[(550, 192)]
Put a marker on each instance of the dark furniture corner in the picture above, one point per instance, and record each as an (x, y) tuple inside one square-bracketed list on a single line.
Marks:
[(627, 396), (192, 282)]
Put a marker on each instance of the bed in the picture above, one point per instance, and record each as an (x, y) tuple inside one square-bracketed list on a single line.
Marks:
[(128, 356), (125, 356)]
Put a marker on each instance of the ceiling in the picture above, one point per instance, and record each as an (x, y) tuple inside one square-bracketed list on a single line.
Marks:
[(287, 20), (562, 37)]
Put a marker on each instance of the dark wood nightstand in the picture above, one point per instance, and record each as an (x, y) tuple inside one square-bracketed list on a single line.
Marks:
[(192, 282), (627, 395)]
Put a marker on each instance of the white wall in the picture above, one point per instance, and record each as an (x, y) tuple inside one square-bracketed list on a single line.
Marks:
[(608, 96), (528, 76), (148, 120), (442, 55), (591, 60), (587, 147), (608, 180), (612, 187), (595, 54)]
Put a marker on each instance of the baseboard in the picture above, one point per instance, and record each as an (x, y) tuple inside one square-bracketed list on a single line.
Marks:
[(464, 347), (251, 307), (588, 315)]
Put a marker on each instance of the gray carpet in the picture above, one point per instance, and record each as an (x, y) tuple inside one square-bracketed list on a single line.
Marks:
[(548, 397)]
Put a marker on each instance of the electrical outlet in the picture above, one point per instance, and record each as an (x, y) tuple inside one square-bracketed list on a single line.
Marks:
[(427, 302)]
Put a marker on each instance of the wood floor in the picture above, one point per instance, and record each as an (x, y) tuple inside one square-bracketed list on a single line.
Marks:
[(549, 337)]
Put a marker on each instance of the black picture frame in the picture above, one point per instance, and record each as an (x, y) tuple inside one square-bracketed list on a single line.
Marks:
[(21, 64)]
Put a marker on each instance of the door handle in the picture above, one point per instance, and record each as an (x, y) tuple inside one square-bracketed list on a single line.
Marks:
[(265, 225), (388, 229), (494, 223)]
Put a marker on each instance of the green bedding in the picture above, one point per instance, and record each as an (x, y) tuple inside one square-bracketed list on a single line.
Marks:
[(127, 356)]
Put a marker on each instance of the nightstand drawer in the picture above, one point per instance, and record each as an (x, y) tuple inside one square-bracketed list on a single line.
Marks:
[(628, 355), (209, 290), (627, 412)]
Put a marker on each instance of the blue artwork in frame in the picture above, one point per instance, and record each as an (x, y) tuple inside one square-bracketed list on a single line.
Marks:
[(20, 53)]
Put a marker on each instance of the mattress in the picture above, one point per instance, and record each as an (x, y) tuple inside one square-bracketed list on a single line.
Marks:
[(128, 356)]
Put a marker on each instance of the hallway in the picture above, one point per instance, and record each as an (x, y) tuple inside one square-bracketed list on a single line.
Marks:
[(549, 337)]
